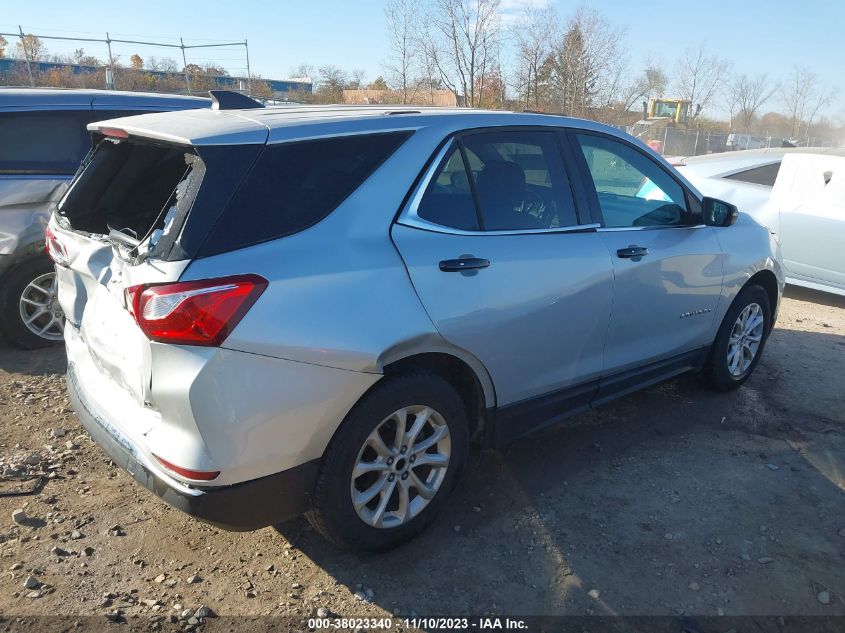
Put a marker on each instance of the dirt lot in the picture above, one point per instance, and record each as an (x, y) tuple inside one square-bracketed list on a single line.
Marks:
[(673, 501)]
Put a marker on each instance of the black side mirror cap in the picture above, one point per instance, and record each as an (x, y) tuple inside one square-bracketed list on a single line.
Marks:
[(719, 212)]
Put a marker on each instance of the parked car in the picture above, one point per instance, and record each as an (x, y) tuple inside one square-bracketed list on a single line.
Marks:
[(744, 141), (316, 309), (42, 141), (798, 193)]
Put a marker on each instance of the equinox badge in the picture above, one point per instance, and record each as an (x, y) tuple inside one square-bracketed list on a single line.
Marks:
[(684, 315)]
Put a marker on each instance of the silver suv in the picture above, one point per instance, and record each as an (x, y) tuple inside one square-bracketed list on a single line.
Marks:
[(42, 140), (317, 309)]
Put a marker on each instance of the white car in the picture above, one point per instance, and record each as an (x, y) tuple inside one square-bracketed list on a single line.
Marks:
[(744, 141), (798, 193)]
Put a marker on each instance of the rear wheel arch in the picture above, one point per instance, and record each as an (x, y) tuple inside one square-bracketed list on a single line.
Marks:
[(476, 395)]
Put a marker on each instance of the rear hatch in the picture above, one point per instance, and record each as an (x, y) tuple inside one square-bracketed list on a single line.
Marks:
[(136, 214), (115, 228)]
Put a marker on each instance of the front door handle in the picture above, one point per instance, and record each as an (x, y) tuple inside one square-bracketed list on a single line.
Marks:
[(464, 263), (632, 252)]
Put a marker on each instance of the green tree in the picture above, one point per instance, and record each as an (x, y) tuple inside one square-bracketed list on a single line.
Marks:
[(378, 84)]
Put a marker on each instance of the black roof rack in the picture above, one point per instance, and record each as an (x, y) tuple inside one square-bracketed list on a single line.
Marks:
[(231, 100)]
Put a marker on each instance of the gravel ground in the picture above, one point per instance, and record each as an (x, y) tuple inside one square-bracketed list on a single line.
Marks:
[(674, 501)]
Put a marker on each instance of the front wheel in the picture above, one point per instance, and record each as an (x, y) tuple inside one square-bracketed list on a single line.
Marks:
[(740, 341), (392, 463)]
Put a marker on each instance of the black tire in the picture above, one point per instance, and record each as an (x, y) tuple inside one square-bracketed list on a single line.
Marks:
[(333, 514), (11, 289), (716, 372)]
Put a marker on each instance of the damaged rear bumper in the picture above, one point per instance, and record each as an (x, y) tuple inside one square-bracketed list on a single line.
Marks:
[(239, 507)]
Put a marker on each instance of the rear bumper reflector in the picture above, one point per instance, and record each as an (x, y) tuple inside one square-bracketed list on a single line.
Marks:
[(187, 473)]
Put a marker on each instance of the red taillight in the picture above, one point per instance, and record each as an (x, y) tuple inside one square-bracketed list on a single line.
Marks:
[(55, 249), (193, 312), (187, 473), (114, 132)]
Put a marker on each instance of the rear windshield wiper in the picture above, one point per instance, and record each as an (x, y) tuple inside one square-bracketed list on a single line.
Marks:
[(124, 238)]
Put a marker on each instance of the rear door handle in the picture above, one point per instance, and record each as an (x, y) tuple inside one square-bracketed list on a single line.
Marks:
[(464, 263), (632, 252)]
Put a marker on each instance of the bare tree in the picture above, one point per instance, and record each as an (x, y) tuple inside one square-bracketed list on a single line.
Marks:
[(803, 95), (303, 70), (332, 82), (823, 99), (403, 31), (700, 75), (533, 35), (587, 66), (748, 94), (168, 64), (463, 45), (358, 77), (3, 44), (651, 81), (656, 79), (432, 78)]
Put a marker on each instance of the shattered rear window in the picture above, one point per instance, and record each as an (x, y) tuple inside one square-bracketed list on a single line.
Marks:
[(142, 189)]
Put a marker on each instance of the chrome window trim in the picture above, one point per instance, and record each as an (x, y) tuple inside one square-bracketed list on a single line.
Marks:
[(616, 229), (409, 216), (419, 223)]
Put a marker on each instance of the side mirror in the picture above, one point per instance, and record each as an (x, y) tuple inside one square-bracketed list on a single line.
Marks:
[(718, 212)]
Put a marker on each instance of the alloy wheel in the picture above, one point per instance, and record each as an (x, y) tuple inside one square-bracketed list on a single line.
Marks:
[(401, 466), (746, 337), (40, 310)]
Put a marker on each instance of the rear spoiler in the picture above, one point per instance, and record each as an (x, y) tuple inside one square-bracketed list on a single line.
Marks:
[(231, 100)]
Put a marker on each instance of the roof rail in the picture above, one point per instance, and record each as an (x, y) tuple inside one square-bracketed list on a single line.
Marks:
[(546, 113), (231, 100)]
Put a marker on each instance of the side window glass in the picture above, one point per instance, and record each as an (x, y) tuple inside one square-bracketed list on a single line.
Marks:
[(448, 199), (764, 175), (632, 190), (295, 185), (520, 181), (43, 142)]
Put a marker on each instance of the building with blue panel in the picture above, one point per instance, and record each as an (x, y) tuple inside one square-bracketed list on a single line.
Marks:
[(12, 70)]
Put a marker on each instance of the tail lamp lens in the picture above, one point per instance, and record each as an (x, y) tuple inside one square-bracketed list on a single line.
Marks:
[(55, 249), (193, 312)]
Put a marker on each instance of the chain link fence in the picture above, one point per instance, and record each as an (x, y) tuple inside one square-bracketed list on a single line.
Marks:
[(34, 66), (673, 141)]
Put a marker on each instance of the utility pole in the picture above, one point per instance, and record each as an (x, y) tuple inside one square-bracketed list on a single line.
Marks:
[(185, 64), (110, 82), (248, 74), (26, 54)]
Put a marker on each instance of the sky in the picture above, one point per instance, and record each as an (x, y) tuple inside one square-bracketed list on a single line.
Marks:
[(756, 35)]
